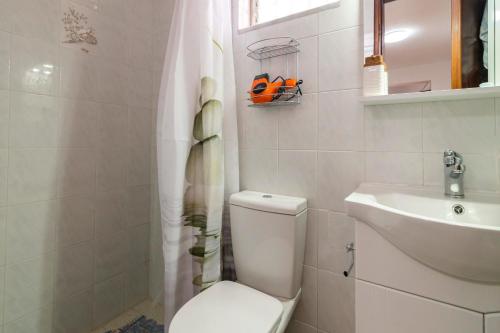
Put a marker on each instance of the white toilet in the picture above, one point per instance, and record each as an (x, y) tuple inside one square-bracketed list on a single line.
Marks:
[(269, 235)]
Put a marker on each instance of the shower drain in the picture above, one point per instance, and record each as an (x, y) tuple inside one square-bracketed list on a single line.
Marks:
[(458, 209)]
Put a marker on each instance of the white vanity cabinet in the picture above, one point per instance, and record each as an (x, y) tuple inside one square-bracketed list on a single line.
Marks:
[(492, 323), (397, 294), (385, 310)]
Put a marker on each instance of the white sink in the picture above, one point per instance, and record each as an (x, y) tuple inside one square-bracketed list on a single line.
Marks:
[(422, 223)]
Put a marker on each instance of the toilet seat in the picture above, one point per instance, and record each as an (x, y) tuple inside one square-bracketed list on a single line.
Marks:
[(228, 307)]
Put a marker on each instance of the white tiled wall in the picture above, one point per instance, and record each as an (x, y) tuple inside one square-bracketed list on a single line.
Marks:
[(75, 162), (329, 144)]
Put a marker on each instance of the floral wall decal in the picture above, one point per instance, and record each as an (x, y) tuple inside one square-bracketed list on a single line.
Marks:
[(77, 28)]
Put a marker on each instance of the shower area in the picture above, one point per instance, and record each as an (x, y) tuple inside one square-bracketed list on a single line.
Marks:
[(80, 241)]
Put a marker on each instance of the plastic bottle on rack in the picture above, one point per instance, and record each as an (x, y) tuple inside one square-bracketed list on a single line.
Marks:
[(375, 78)]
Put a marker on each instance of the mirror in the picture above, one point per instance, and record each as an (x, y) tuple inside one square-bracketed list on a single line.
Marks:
[(430, 45)]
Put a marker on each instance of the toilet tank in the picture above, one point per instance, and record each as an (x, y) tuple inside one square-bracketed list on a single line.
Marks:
[(269, 236)]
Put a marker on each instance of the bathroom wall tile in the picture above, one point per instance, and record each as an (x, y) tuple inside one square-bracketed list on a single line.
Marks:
[(258, 169), (138, 205), (111, 169), (465, 126), (30, 230), (340, 67), (110, 255), (76, 172), (56, 155), (335, 232), (140, 127), (4, 118), (88, 9), (497, 113), (481, 172), (313, 219), (140, 48), (298, 327), (4, 58), (3, 223), (2, 283), (74, 269), (73, 313), (78, 124), (298, 28), (5, 17), (405, 168), (32, 175), (34, 66), (341, 173), (138, 238), (109, 300), (112, 126), (137, 284), (139, 166), (340, 121), (36, 19), (28, 287), (297, 175), (112, 82), (113, 38), (160, 41), (34, 121), (39, 321), (307, 309), (492, 322), (385, 123), (162, 12), (140, 88), (308, 64), (348, 15), (113, 9), (4, 165), (261, 128), (78, 75), (141, 14), (242, 116), (111, 213), (298, 125), (335, 303), (75, 220), (139, 141)]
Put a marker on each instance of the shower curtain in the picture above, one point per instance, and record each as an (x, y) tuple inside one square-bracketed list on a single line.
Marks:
[(197, 149)]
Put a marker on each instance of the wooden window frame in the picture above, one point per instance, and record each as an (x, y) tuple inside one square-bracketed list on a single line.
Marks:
[(253, 6)]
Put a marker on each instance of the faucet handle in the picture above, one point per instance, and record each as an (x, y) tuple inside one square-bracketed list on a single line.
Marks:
[(452, 158), (449, 158)]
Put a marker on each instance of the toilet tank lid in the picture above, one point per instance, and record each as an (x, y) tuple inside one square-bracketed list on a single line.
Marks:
[(272, 203)]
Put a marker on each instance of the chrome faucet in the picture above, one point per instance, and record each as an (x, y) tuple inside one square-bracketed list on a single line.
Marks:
[(454, 170)]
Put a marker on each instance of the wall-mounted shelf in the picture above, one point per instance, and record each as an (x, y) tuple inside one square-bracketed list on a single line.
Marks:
[(272, 47), (288, 49), (275, 103), (433, 96)]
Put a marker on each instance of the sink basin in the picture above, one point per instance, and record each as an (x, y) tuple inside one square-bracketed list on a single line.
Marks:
[(459, 237)]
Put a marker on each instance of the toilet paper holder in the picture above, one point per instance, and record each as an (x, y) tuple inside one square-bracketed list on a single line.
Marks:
[(349, 248)]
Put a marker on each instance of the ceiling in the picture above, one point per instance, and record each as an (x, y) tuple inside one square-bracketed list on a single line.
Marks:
[(430, 42)]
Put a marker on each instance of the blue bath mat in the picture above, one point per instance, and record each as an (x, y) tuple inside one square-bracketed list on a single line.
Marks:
[(140, 325)]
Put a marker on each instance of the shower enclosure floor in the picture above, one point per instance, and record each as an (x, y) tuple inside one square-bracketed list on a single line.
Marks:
[(146, 308)]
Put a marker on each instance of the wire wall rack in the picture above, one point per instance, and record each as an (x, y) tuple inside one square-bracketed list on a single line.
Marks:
[(282, 53)]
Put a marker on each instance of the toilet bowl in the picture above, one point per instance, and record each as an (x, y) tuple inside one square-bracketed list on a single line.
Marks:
[(268, 233)]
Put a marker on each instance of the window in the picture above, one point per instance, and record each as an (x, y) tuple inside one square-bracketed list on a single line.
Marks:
[(253, 12)]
